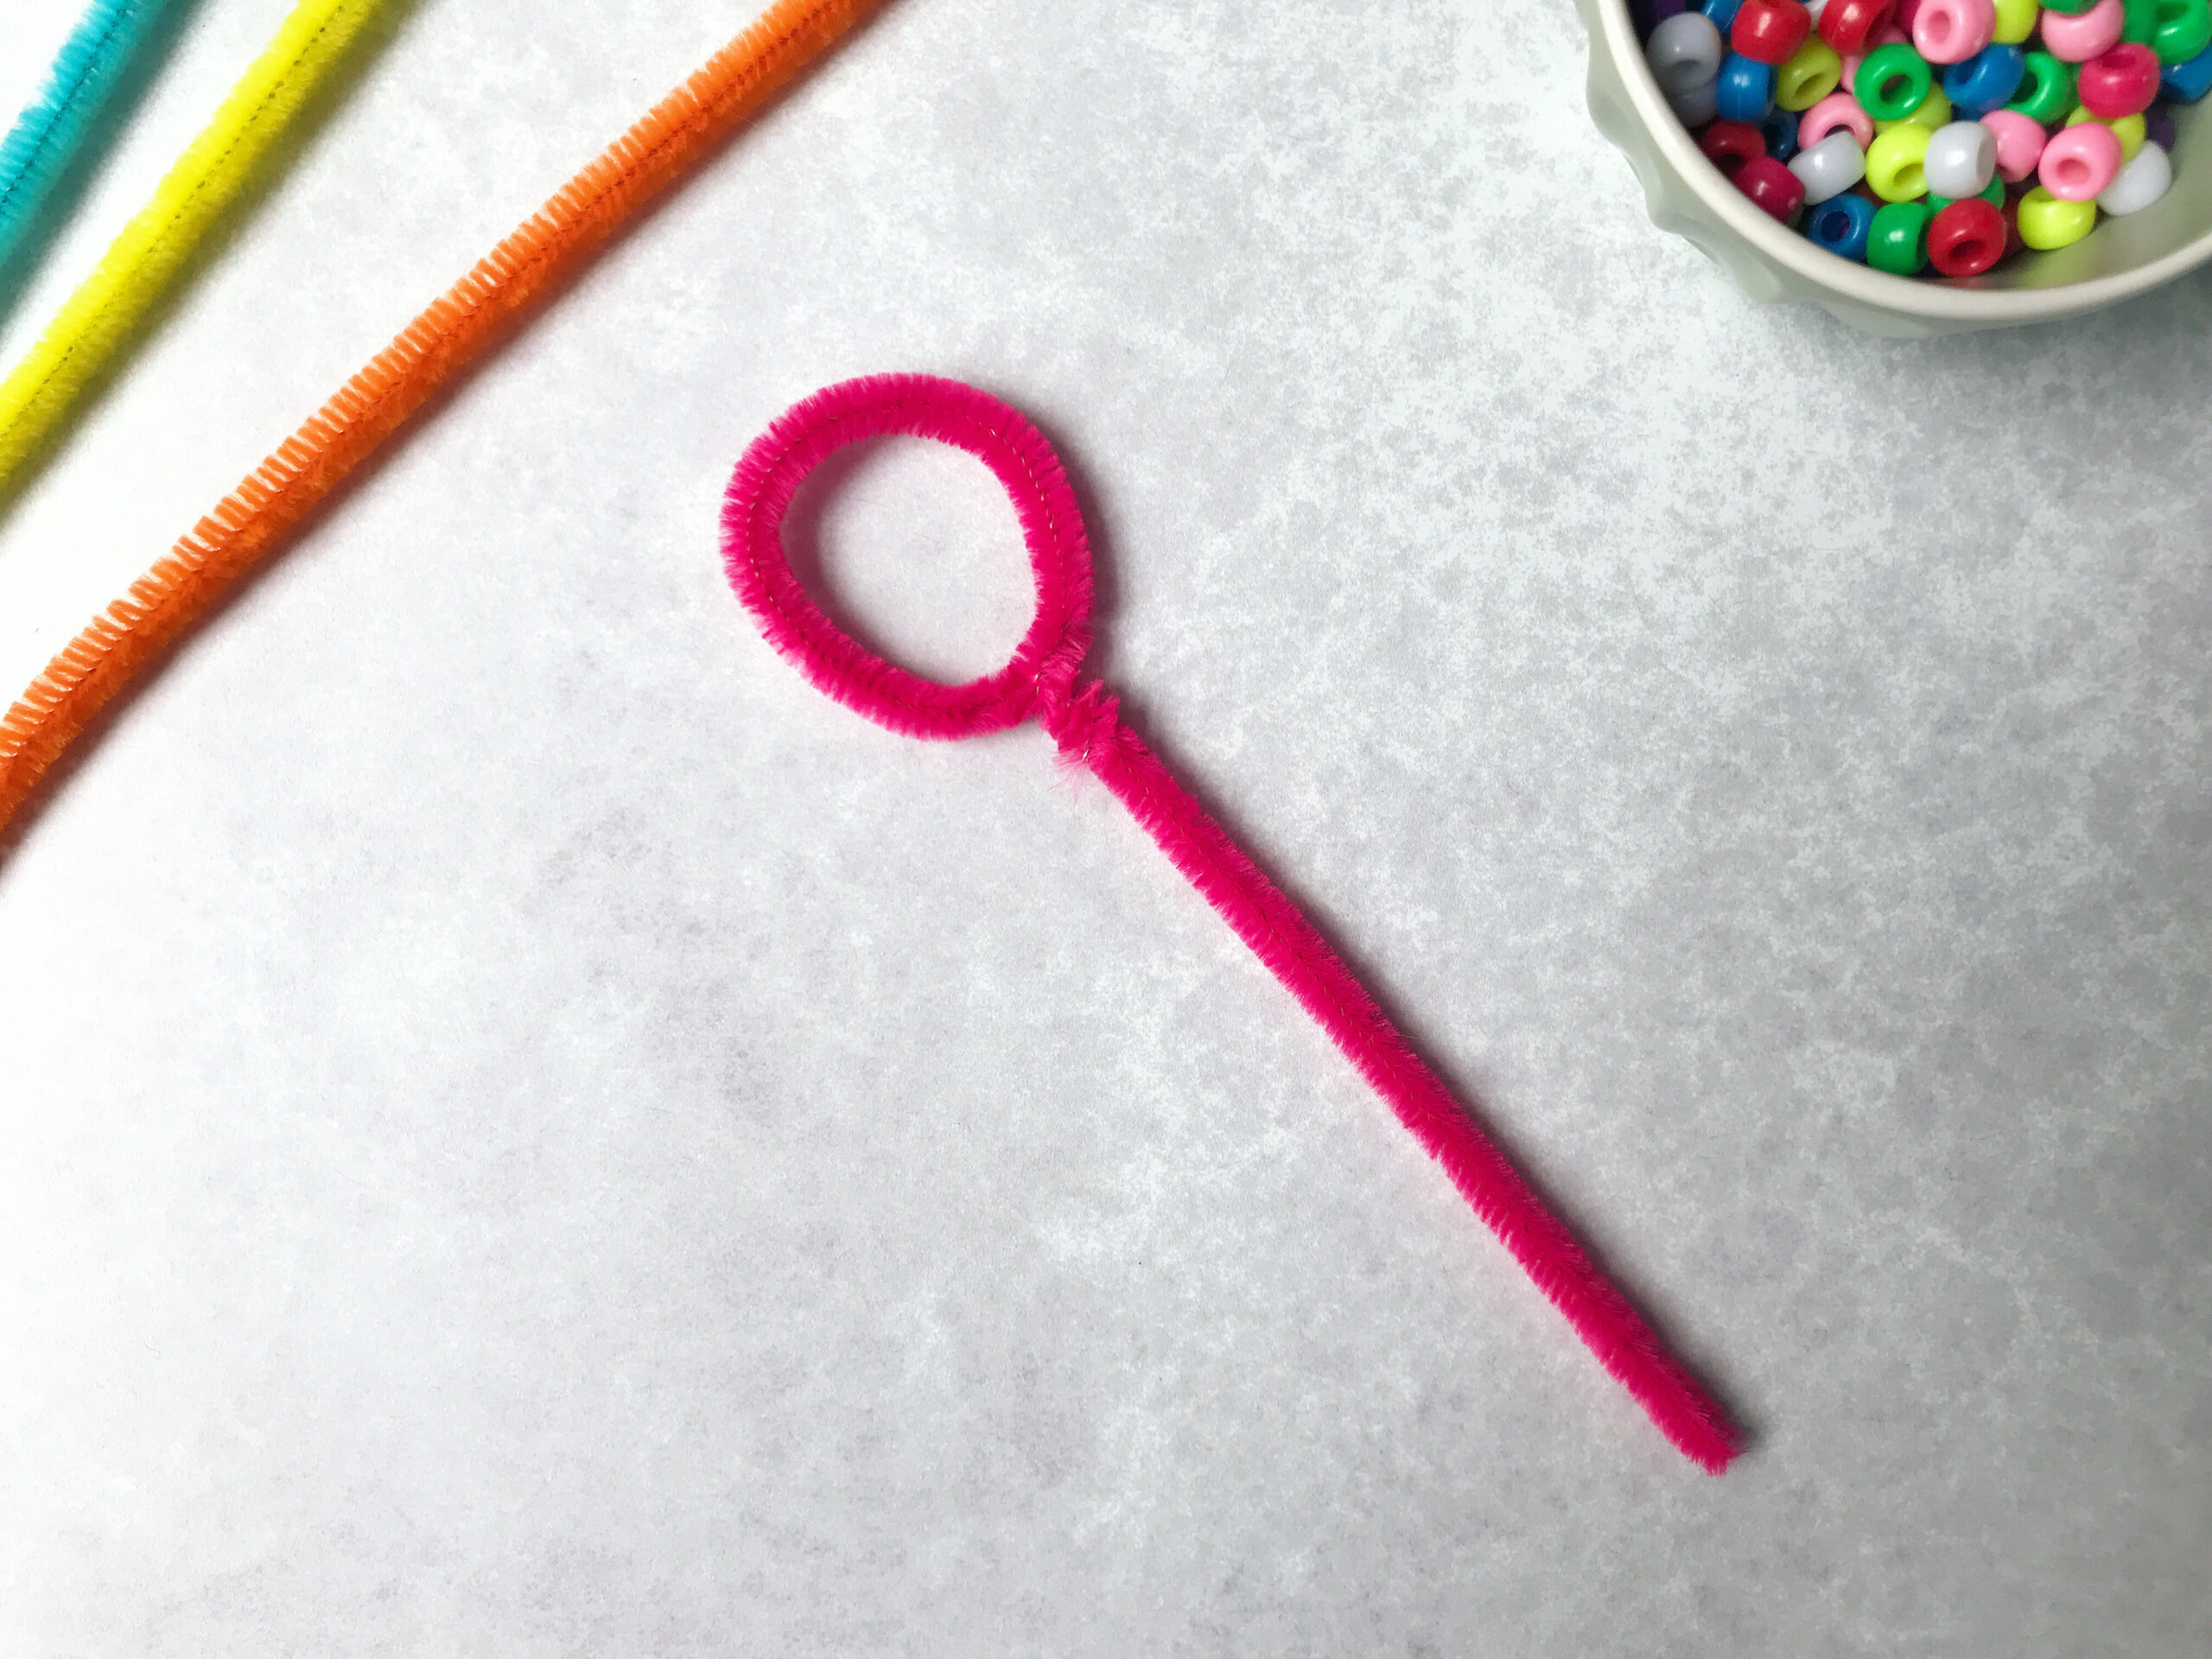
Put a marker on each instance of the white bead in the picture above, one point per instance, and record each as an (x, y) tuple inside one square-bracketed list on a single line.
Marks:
[(1816, 7), (1684, 53), (1829, 168), (1698, 106), (1962, 160), (2141, 182)]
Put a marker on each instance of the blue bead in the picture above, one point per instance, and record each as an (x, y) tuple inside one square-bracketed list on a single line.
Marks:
[(1723, 13), (2182, 82), (1841, 224), (1780, 131), (1985, 81), (1745, 89)]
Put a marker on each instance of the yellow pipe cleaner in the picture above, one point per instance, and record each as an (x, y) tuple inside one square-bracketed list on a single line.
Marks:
[(85, 340)]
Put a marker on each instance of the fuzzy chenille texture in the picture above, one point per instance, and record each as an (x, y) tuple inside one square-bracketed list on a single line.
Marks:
[(1041, 682), (674, 138), (54, 132)]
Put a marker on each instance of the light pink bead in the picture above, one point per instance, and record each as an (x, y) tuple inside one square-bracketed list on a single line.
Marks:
[(2020, 142), (1840, 110), (1888, 37), (2079, 163), (1951, 31), (2076, 39)]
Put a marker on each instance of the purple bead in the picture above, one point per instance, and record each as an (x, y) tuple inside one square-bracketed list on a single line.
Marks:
[(1648, 15), (2158, 127)]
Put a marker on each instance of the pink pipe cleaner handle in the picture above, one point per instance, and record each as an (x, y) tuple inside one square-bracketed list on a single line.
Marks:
[(1041, 682)]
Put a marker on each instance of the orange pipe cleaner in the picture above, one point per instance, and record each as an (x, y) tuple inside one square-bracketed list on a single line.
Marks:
[(468, 320)]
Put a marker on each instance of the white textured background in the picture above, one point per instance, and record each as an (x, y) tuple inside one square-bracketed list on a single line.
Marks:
[(524, 1130)]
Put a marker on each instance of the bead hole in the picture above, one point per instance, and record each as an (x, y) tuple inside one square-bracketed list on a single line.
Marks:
[(912, 547)]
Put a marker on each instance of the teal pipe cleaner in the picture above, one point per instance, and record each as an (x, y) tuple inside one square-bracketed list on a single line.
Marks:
[(64, 120)]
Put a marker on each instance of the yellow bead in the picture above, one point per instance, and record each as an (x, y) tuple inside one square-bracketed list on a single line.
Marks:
[(1809, 76), (2016, 20), (1934, 113), (1896, 163), (2128, 129), (2047, 223)]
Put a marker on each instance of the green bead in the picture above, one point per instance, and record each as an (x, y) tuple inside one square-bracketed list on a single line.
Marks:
[(1897, 241), (1892, 81), (2184, 29), (1995, 196), (2140, 21), (2068, 7), (2047, 90)]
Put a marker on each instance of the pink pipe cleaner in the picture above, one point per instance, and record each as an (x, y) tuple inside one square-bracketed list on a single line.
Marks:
[(1085, 721)]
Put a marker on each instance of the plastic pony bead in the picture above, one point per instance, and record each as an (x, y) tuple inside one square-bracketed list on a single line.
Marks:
[(2016, 20), (1809, 76), (1684, 53), (1966, 239), (2185, 83), (1897, 242), (2123, 81), (2047, 222), (1729, 145), (1961, 159), (1842, 225), (2047, 89), (1892, 82), (2080, 162), (1850, 26), (1986, 80), (1723, 13), (2076, 39), (1951, 31), (1895, 166), (1771, 186), (1829, 168), (2184, 29), (1770, 31), (1744, 90), (1780, 131), (2019, 143), (2141, 182), (2130, 129), (1838, 110)]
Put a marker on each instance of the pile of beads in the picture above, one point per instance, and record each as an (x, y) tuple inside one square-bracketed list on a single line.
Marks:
[(1916, 134)]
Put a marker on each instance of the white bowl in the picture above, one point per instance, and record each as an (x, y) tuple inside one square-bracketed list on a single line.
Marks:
[(1688, 195)]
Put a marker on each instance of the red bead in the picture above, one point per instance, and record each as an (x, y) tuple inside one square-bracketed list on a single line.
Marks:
[(2121, 82), (1771, 31), (1850, 26), (2012, 242), (1773, 186), (1966, 237), (1729, 145)]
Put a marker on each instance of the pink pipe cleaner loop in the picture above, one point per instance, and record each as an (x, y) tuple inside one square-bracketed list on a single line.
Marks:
[(1085, 721)]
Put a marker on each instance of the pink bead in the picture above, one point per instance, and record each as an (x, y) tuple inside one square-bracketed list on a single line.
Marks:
[(1841, 110), (1887, 37), (2080, 161), (1951, 31), (2076, 39), (2020, 142)]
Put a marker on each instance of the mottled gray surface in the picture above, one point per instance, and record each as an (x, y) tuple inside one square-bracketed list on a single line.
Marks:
[(529, 1131)]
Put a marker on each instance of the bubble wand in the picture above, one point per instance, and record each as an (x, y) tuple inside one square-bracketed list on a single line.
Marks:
[(1042, 682)]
